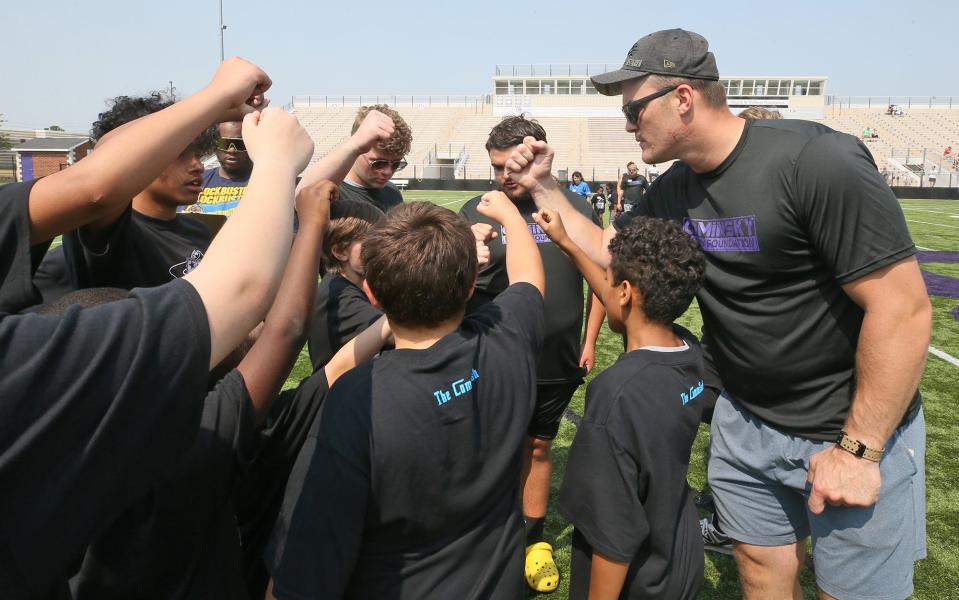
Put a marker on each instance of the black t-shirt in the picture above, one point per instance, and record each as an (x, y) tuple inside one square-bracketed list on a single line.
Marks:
[(634, 188), (340, 313), (95, 405), (559, 362), (795, 211), (383, 198), (599, 203), (141, 252), (408, 487), (259, 491), (625, 487), (52, 278), (18, 259), (180, 539)]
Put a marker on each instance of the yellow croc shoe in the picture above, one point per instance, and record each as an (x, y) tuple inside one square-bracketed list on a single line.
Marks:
[(541, 572)]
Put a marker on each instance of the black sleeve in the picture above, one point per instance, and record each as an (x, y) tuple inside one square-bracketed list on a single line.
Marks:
[(259, 492), (522, 307), (18, 259), (94, 405), (347, 314), (600, 494), (90, 265), (227, 426), (850, 214), (318, 534)]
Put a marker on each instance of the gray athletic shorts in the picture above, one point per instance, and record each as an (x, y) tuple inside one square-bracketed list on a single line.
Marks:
[(758, 477)]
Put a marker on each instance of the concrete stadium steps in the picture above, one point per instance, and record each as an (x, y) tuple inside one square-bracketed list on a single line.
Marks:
[(600, 147)]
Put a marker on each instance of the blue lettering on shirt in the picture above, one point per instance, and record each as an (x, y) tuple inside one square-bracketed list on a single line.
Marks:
[(693, 392), (735, 234), (456, 388)]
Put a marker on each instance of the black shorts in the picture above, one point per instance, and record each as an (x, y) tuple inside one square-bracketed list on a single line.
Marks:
[(551, 402)]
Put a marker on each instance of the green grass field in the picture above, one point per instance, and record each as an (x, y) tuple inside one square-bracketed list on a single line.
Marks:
[(934, 226)]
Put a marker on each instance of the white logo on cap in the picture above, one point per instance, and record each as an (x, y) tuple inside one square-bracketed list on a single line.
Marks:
[(668, 64), (632, 62)]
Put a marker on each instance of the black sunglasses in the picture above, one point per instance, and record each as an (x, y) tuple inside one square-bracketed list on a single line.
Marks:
[(378, 164), (631, 109), (226, 144)]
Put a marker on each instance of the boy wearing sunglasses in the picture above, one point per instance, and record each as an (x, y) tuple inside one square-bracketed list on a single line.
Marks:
[(369, 177), (223, 186)]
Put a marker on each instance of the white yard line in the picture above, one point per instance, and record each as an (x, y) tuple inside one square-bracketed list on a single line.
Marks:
[(928, 210), (944, 356), (933, 224)]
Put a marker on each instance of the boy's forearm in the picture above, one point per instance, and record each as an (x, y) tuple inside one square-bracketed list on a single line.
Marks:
[(359, 350), (596, 314), (523, 260), (606, 578), (268, 364), (595, 276), (104, 182), (241, 270), (586, 234), (334, 166)]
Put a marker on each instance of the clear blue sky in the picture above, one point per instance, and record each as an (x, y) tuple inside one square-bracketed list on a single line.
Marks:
[(64, 58)]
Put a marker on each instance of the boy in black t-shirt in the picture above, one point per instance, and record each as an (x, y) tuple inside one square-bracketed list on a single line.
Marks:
[(636, 527), (111, 395), (409, 484), (342, 310)]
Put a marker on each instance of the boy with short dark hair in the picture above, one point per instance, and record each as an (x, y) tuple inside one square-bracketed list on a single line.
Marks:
[(409, 484), (636, 527)]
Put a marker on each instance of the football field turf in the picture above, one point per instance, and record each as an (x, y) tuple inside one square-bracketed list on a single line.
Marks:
[(935, 228)]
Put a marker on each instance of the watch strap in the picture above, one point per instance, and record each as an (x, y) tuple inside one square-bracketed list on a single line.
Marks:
[(858, 448)]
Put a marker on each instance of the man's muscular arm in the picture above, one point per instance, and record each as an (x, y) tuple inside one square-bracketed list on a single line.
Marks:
[(891, 353)]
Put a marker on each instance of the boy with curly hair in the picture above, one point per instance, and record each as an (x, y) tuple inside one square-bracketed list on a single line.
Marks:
[(636, 527)]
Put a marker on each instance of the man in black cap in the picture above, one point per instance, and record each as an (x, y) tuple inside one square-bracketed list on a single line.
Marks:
[(815, 317)]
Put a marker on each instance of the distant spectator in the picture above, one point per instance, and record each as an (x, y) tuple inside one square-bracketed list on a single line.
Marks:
[(866, 133), (758, 112), (632, 188), (578, 186), (947, 151), (931, 174), (223, 186)]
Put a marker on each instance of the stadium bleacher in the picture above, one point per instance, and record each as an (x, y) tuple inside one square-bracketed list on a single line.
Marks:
[(600, 148)]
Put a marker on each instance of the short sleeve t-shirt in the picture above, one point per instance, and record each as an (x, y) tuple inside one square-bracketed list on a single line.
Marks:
[(409, 483), (220, 195), (341, 312), (180, 539), (141, 252), (634, 188), (258, 494), (383, 198), (795, 211), (625, 487), (18, 259), (564, 301), (599, 203), (95, 405)]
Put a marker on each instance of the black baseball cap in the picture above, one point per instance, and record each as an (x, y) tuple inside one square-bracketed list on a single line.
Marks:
[(673, 52)]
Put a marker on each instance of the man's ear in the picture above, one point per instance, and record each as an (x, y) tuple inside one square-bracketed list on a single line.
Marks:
[(684, 94), (369, 294)]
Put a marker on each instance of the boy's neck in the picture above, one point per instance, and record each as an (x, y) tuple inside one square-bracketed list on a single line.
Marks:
[(420, 338), (641, 333), (145, 204)]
